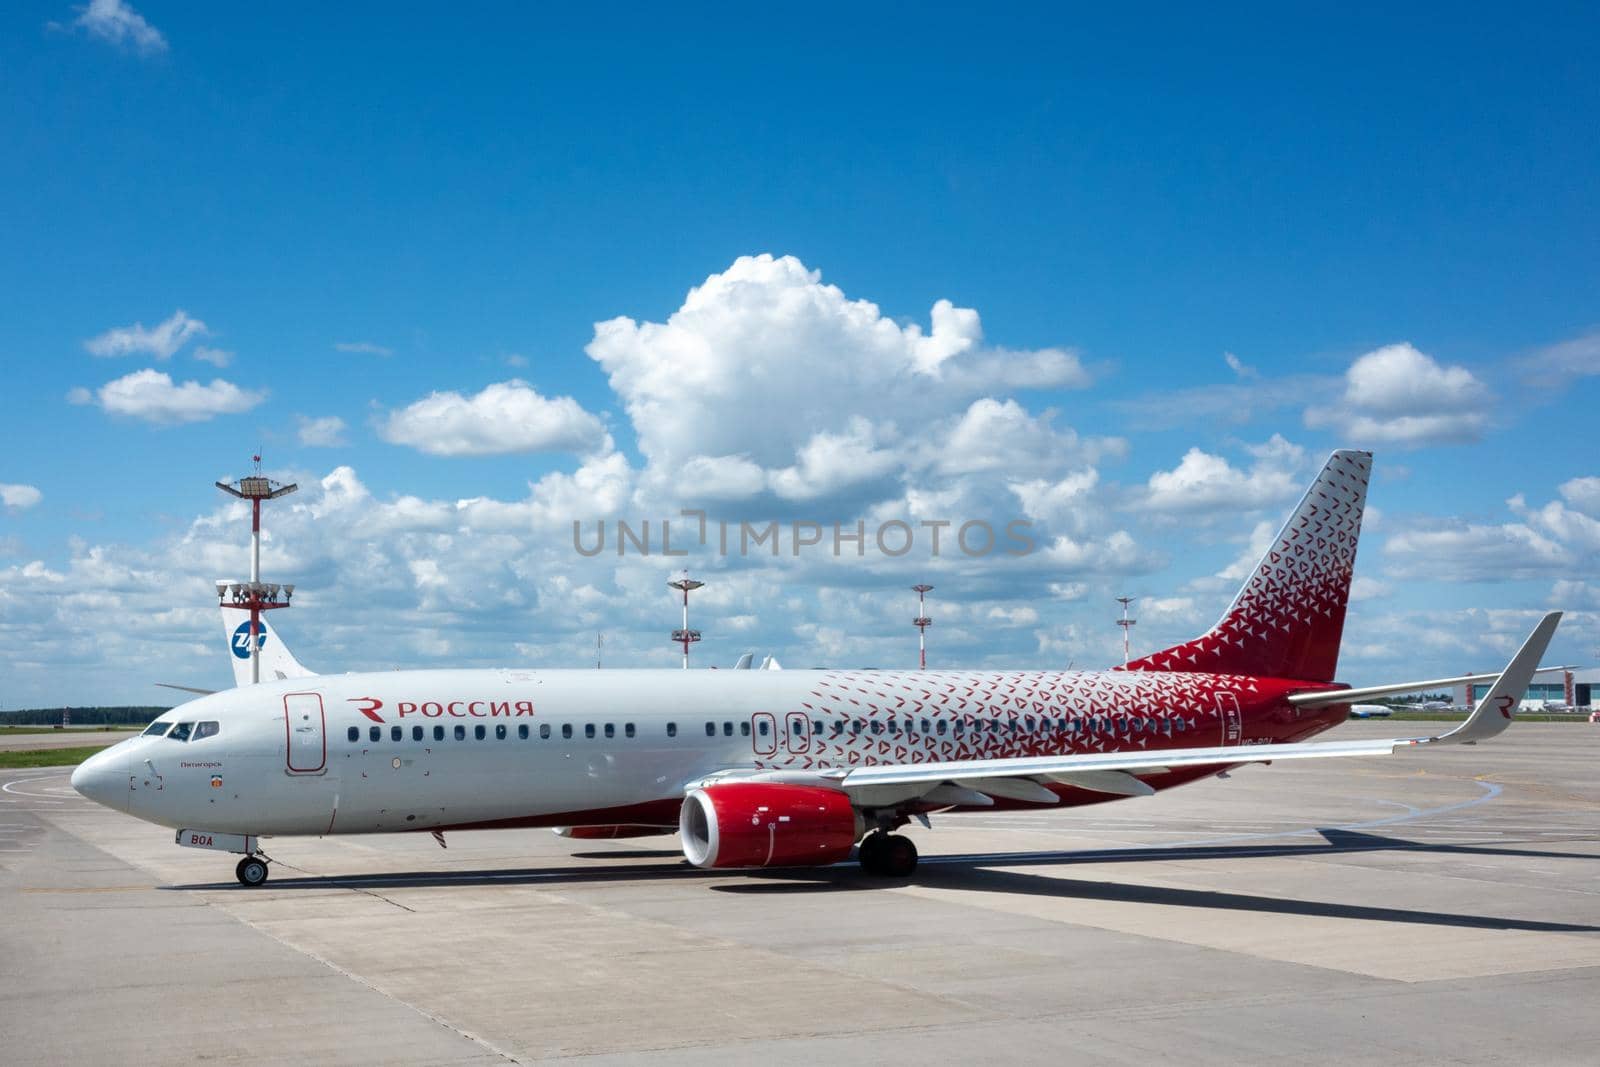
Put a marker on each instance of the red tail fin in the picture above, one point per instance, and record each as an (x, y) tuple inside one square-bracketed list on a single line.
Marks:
[(1287, 620)]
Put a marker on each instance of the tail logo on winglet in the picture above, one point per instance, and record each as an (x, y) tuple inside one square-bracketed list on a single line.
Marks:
[(1506, 702), (241, 639)]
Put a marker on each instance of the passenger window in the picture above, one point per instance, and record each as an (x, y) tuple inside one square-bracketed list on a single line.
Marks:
[(797, 727), (544, 731), (627, 731), (438, 733), (876, 727), (855, 727), (416, 733), (375, 734), (816, 727), (355, 733), (838, 727), (522, 731), (744, 729), (1029, 721), (942, 727), (611, 730), (727, 729), (566, 731), (180, 731), (762, 727), (711, 729), (926, 727), (395, 734), (499, 731), (461, 732), (672, 729), (205, 729), (960, 727), (156, 729), (478, 732), (894, 728), (588, 730)]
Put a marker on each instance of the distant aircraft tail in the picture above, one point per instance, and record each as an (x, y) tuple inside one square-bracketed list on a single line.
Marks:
[(1288, 619), (277, 663)]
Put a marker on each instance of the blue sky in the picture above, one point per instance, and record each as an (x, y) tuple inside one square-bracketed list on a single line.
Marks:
[(457, 199)]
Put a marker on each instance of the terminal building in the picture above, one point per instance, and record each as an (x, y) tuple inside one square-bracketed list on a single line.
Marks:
[(1570, 689)]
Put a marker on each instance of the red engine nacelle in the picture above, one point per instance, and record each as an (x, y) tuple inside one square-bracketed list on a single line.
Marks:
[(763, 824)]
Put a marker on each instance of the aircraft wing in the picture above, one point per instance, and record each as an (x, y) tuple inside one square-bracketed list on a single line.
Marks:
[(968, 782)]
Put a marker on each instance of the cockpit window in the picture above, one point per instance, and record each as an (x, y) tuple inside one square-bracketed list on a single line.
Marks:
[(156, 729), (205, 729), (180, 731)]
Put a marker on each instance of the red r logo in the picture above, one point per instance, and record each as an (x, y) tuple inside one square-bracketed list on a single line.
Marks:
[(1506, 703), (371, 709)]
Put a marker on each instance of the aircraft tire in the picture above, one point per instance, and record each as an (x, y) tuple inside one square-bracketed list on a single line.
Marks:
[(898, 856), (251, 871), (870, 853)]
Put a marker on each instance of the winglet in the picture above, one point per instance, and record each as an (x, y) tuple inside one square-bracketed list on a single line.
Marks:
[(1493, 713)]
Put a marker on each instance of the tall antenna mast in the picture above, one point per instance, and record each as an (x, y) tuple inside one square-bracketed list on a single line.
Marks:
[(686, 636), (1126, 624), (922, 622), (255, 596)]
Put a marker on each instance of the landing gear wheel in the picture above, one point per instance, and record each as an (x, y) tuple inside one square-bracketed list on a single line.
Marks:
[(898, 857), (887, 855), (870, 853), (252, 871)]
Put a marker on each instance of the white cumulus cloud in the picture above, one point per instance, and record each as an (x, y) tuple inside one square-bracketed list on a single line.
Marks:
[(119, 24), (160, 341), (217, 357), (19, 497), (324, 432), (1206, 482), (764, 362), (1398, 395), (503, 418), (154, 397)]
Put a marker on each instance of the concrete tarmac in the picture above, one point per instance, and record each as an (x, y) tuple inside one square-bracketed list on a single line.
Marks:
[(1428, 907)]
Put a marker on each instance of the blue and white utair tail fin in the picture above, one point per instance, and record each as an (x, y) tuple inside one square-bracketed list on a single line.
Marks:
[(277, 663)]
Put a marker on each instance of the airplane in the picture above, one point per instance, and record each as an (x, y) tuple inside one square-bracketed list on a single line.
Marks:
[(774, 768), (1370, 711)]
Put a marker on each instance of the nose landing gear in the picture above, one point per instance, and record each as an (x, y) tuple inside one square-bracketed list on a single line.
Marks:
[(252, 871), (887, 855)]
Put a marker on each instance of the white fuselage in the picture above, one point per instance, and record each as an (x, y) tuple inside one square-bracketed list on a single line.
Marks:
[(413, 750)]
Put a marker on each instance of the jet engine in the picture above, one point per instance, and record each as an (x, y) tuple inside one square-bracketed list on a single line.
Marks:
[(765, 824)]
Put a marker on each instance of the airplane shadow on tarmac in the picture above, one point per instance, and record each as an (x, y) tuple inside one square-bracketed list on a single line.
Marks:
[(977, 873)]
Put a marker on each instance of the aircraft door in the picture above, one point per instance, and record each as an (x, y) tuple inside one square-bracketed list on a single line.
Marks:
[(797, 733), (306, 729), (1232, 726), (764, 734)]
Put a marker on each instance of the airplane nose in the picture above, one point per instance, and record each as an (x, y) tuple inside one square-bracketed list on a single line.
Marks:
[(103, 778)]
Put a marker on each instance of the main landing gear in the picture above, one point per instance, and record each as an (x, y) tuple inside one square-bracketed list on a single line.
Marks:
[(887, 855), (252, 871)]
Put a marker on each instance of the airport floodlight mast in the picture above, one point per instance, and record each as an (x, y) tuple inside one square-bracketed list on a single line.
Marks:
[(685, 636), (922, 622), (1126, 624), (255, 596)]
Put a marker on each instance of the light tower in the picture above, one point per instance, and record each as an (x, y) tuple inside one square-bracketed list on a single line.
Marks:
[(685, 636), (255, 596), (1126, 624), (922, 622)]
